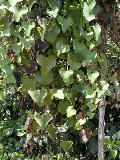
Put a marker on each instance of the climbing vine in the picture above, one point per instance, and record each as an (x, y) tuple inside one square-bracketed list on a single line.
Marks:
[(55, 57)]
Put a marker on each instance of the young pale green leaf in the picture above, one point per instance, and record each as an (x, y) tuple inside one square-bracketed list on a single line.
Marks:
[(93, 76), (97, 31), (38, 96), (104, 85), (89, 93), (59, 94), (67, 76), (87, 11), (66, 145), (55, 6), (62, 47), (14, 2), (53, 13), (18, 13), (65, 23), (28, 26), (42, 120), (71, 111), (78, 126)]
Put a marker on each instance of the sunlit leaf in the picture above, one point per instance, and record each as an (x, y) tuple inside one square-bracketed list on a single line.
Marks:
[(66, 145)]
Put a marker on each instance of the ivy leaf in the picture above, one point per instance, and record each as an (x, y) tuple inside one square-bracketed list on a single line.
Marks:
[(89, 93), (78, 47), (87, 10), (52, 35), (65, 23), (62, 47), (38, 96), (18, 13), (104, 85), (52, 130), (93, 76), (42, 120), (97, 31), (53, 13), (93, 145), (28, 84), (44, 80), (59, 94), (16, 47), (46, 63), (66, 145), (55, 6), (71, 111), (28, 26), (62, 106), (14, 2), (67, 76)]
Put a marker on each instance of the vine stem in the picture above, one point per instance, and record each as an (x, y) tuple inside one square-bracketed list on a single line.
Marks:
[(102, 106)]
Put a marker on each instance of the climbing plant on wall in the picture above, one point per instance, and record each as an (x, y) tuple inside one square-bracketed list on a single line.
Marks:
[(54, 70)]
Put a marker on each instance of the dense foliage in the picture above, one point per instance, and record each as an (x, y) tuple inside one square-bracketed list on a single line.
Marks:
[(58, 58)]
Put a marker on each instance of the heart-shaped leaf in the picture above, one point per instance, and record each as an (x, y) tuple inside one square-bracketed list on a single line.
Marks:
[(59, 94), (65, 23), (38, 96), (62, 47), (97, 31), (71, 111), (67, 76), (46, 63), (93, 76), (66, 145)]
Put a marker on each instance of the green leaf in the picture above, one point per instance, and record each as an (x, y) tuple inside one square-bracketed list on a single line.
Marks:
[(53, 13), (9, 69), (71, 111), (14, 2), (55, 6), (18, 13), (87, 10), (28, 26), (16, 47), (91, 106), (67, 76), (46, 63), (65, 23), (66, 145), (62, 47), (104, 85), (52, 35), (52, 131), (44, 80), (93, 145), (42, 120), (93, 76), (73, 62), (62, 106), (78, 47), (89, 93), (97, 31), (59, 94), (28, 84), (38, 96)]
